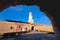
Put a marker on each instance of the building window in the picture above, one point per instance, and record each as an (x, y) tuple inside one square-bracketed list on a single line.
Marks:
[(19, 26), (11, 27)]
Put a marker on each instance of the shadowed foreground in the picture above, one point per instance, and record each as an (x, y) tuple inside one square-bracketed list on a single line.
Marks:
[(33, 37)]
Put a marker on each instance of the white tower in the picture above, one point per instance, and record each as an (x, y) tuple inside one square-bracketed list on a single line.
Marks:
[(30, 18)]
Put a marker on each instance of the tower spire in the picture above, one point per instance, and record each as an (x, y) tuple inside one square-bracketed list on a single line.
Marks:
[(30, 18)]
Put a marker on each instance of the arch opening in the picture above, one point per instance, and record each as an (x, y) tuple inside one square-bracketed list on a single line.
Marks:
[(34, 10)]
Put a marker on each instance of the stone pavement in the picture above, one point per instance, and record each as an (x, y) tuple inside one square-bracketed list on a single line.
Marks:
[(36, 37), (33, 35)]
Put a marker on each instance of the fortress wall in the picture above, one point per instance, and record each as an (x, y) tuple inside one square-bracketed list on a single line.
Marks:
[(48, 28), (5, 27), (27, 26)]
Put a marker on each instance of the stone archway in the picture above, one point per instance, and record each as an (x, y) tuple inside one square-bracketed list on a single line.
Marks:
[(49, 7), (32, 28)]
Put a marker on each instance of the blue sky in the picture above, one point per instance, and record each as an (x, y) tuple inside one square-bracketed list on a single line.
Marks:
[(21, 13)]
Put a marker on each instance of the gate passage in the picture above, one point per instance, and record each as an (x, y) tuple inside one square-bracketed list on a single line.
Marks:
[(32, 28)]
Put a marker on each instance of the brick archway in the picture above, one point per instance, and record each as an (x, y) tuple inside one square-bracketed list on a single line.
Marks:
[(49, 7)]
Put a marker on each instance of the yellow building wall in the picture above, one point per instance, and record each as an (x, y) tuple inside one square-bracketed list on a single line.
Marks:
[(5, 27)]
